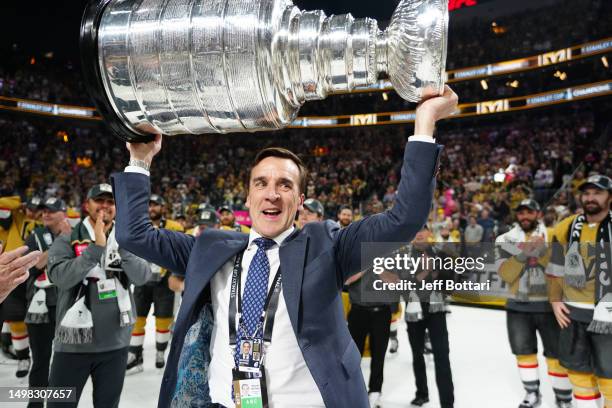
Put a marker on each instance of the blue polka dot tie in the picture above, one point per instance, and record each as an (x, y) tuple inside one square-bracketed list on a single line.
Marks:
[(255, 291)]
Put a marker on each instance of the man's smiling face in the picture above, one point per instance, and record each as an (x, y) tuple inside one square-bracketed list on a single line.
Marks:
[(274, 195)]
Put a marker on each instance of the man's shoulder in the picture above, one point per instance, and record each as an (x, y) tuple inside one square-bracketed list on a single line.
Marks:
[(502, 237), (561, 230), (219, 234), (327, 227), (61, 243)]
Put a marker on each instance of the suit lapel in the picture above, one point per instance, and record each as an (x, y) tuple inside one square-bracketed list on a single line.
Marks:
[(211, 261), (292, 254)]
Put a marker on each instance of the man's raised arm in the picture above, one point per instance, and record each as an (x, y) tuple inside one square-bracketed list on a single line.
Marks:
[(414, 195), (134, 230)]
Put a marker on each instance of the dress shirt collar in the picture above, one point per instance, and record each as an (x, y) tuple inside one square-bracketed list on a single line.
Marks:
[(278, 239)]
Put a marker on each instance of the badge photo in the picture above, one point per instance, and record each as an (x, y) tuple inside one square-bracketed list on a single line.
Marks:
[(246, 350)]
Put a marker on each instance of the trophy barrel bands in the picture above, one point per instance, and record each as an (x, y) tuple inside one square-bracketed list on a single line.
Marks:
[(328, 55), (364, 33), (309, 26), (190, 66)]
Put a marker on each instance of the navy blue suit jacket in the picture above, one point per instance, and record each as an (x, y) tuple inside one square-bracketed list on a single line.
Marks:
[(315, 261)]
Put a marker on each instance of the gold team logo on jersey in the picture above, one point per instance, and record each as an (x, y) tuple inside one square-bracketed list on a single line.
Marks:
[(589, 259)]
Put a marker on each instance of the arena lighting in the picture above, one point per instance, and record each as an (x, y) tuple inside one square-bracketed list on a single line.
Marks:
[(604, 61), (513, 84), (500, 176), (484, 84), (497, 29), (63, 135), (561, 75), (84, 162), (385, 96)]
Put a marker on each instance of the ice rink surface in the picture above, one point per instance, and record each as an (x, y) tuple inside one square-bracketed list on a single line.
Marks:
[(484, 370)]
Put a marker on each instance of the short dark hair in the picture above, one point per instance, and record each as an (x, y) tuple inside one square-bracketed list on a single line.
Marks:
[(281, 153)]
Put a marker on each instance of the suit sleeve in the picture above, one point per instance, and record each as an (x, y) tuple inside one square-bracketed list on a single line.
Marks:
[(137, 269), (136, 234), (404, 220)]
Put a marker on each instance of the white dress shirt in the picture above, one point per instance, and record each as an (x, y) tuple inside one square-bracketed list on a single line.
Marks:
[(289, 381)]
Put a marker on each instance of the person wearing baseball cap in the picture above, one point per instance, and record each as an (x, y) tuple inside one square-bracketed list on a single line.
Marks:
[(33, 216), (54, 205), (598, 182), (204, 206), (581, 293), (33, 208), (100, 190), (528, 203), (181, 218), (313, 212), (522, 261), (156, 292), (41, 294), (227, 220), (157, 200), (207, 218), (95, 306)]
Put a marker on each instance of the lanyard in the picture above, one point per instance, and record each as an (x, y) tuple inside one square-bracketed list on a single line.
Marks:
[(235, 299)]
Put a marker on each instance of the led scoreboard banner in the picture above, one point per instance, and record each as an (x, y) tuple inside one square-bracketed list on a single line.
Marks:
[(467, 109), (535, 61), (517, 65), (51, 109)]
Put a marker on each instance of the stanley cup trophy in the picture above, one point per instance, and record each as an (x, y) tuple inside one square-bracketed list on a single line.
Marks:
[(219, 66)]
